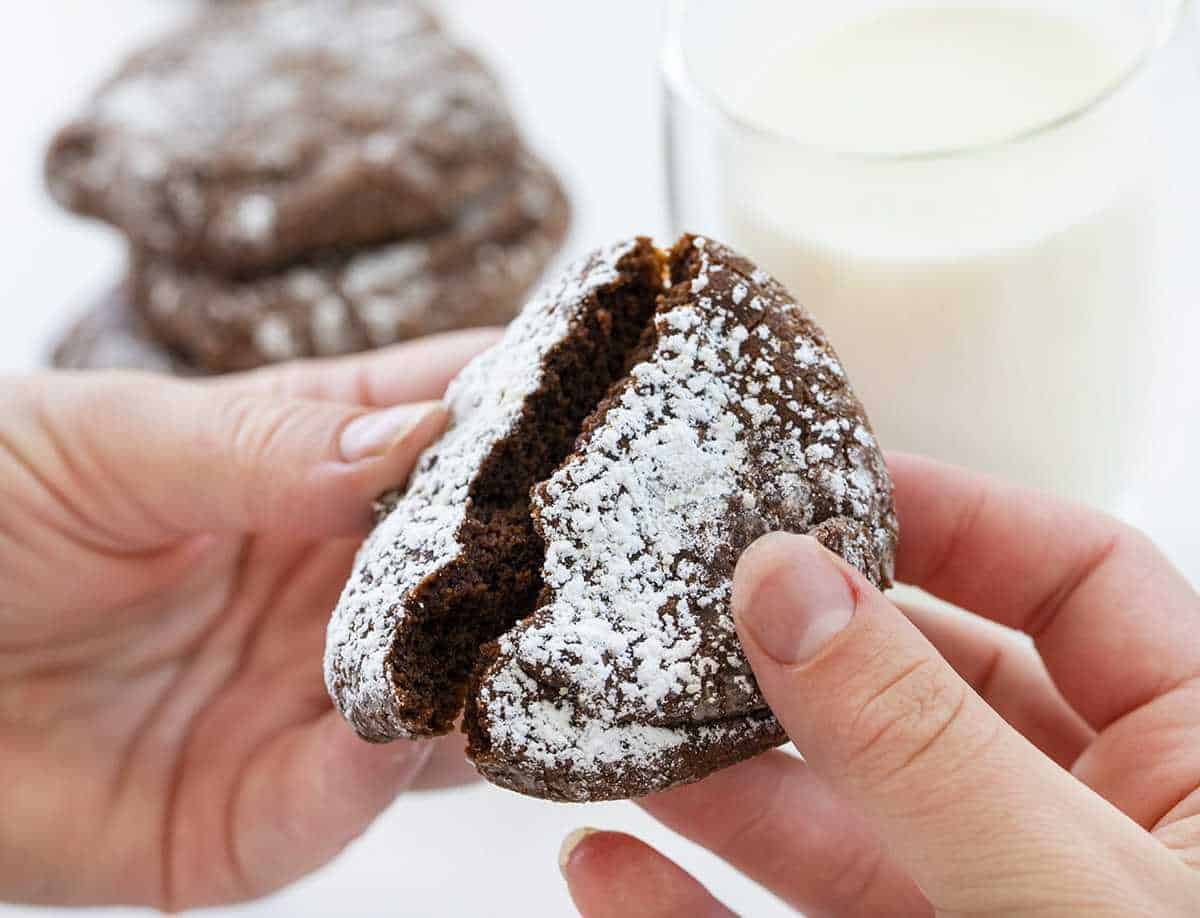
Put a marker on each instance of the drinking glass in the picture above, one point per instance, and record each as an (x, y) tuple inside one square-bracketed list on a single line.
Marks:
[(987, 275)]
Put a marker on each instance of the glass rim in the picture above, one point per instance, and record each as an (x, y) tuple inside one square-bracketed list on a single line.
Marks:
[(677, 73)]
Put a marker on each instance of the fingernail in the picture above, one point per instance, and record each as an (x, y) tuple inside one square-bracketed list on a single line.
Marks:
[(373, 435), (570, 843), (796, 603)]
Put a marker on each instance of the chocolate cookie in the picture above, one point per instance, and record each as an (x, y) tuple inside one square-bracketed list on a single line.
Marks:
[(112, 336), (265, 131), (562, 561), (477, 271)]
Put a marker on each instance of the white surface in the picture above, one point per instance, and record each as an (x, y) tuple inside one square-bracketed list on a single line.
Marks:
[(578, 71)]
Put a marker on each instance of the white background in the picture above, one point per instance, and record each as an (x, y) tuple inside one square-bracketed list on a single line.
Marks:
[(583, 76)]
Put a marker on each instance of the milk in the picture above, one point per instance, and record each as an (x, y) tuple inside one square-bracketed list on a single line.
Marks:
[(987, 295)]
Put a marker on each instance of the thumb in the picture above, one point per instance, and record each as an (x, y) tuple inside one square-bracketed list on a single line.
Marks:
[(154, 460), (976, 814)]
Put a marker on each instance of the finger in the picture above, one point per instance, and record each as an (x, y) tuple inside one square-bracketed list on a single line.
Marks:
[(1007, 673), (951, 790), (790, 833), (145, 464), (448, 765), (1148, 762), (1116, 634), (311, 793), (1096, 595), (1179, 830), (415, 371), (613, 875)]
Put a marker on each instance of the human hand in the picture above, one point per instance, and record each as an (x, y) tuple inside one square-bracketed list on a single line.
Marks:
[(169, 553), (950, 767)]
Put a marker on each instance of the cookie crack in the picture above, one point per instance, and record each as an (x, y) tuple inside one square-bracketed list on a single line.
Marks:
[(495, 580)]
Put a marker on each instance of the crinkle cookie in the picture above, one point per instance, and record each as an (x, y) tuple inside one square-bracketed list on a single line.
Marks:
[(263, 132), (560, 567), (476, 271), (112, 336)]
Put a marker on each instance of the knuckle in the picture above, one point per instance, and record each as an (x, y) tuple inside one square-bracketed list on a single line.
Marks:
[(906, 721), (254, 427), (253, 430), (236, 431)]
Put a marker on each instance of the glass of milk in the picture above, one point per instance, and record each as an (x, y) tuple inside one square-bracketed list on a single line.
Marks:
[(961, 194)]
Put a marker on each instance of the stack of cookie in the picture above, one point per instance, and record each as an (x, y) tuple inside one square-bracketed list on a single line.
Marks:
[(302, 178)]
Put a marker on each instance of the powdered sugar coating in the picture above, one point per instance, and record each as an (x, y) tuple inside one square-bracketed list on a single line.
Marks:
[(738, 423), (474, 272), (263, 131), (544, 745), (112, 336), (420, 534)]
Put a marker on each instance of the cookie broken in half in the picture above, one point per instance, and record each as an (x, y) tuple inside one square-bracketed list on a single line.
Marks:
[(559, 570)]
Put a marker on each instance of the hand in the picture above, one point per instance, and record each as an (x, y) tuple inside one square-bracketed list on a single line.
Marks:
[(950, 767), (169, 555)]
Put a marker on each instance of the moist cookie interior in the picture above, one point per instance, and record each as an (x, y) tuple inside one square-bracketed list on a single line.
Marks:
[(497, 579), (680, 265)]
